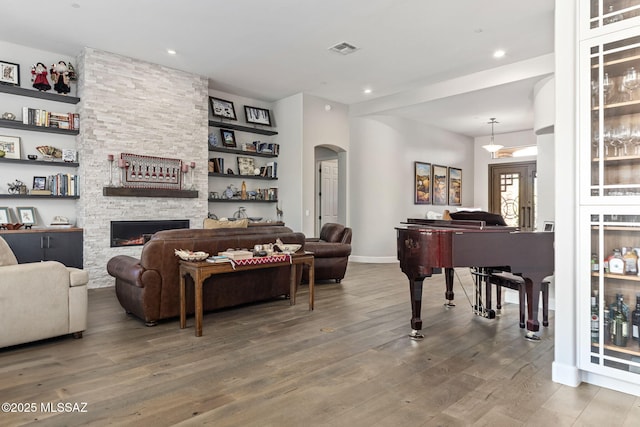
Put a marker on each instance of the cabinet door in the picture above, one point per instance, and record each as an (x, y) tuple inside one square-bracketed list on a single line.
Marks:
[(65, 247), (605, 13), (27, 247), (610, 111)]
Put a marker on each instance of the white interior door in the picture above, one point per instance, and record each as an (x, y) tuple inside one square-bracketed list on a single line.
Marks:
[(328, 191)]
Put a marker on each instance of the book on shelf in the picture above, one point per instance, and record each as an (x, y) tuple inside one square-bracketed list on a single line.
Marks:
[(40, 192), (63, 184), (44, 118)]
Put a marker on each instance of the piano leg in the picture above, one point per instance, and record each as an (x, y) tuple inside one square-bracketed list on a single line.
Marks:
[(532, 286), (415, 287), (448, 294)]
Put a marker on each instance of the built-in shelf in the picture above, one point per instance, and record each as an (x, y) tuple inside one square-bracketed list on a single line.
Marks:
[(240, 152), (40, 162), (149, 192), (243, 128), (14, 124), (35, 196), (17, 90), (229, 175), (241, 201)]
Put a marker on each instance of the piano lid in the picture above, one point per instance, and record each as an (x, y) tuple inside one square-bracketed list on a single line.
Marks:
[(466, 224)]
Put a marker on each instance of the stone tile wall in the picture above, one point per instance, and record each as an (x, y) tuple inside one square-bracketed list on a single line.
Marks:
[(132, 106)]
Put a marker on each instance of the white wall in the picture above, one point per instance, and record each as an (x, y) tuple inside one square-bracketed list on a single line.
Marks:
[(381, 165)]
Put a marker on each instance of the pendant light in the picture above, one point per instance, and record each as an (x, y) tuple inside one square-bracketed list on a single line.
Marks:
[(492, 147)]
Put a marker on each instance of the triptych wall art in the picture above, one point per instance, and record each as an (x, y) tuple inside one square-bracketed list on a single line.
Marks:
[(437, 185)]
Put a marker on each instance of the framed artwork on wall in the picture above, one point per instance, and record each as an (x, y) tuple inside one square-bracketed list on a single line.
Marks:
[(422, 183), (222, 108), (228, 138), (9, 73), (5, 215), (455, 187), (258, 116), (439, 180), (11, 146)]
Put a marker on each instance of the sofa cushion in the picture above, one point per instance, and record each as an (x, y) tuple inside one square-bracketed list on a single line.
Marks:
[(216, 223), (6, 254), (77, 277)]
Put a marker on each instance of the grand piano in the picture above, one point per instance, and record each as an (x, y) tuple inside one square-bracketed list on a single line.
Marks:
[(427, 246)]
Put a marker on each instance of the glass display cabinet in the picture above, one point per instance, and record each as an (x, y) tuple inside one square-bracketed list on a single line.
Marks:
[(609, 189)]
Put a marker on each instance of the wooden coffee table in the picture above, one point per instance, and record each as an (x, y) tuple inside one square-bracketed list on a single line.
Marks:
[(201, 271)]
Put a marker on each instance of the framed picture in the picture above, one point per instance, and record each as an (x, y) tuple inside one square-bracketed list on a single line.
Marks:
[(422, 181), (26, 216), (11, 146), (9, 73), (39, 182), (258, 116), (228, 138), (455, 187), (548, 226), (439, 180), (5, 216), (222, 108), (246, 165)]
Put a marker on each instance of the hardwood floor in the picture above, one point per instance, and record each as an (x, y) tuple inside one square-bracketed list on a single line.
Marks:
[(348, 363)]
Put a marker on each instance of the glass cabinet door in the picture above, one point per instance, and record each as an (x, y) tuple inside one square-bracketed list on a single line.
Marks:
[(606, 12), (613, 315), (614, 117)]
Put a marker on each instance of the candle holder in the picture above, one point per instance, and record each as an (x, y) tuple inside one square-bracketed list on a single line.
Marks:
[(110, 160), (193, 184), (184, 169), (122, 165)]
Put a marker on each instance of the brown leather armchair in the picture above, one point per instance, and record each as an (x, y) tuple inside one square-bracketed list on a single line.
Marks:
[(331, 252)]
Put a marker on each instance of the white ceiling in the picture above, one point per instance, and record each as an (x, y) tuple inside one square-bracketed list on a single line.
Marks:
[(271, 49)]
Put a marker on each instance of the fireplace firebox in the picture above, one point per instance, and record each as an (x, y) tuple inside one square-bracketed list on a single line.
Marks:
[(135, 233)]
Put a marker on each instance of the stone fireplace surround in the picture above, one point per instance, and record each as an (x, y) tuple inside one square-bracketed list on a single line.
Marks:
[(131, 106)]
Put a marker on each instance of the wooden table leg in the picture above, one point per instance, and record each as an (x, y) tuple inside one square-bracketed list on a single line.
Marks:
[(312, 283), (293, 289), (183, 302), (198, 306)]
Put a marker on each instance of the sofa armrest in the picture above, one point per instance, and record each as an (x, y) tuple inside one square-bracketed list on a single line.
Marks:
[(346, 236), (77, 277), (126, 268)]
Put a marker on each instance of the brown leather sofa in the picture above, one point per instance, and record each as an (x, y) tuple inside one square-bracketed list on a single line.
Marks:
[(331, 252), (149, 287)]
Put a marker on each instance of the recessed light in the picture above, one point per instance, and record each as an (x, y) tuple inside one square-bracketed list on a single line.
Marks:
[(368, 91), (499, 53), (171, 52)]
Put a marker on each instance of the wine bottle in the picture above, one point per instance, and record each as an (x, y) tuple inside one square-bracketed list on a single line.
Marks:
[(595, 320), (635, 320), (620, 327)]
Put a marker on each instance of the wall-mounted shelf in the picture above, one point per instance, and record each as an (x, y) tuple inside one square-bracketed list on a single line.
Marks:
[(241, 201), (40, 162), (240, 152), (149, 192), (17, 90), (228, 175), (35, 196), (227, 125), (13, 124)]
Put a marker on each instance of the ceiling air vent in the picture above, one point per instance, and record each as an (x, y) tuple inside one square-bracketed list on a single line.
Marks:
[(343, 48)]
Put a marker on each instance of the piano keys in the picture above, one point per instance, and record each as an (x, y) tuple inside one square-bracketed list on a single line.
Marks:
[(426, 247)]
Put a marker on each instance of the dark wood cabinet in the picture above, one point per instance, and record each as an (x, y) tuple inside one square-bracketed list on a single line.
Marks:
[(63, 245)]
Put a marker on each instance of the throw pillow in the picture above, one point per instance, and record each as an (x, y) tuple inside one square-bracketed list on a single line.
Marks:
[(219, 223), (6, 254)]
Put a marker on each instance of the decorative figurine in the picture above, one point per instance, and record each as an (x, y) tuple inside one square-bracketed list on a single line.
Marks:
[(61, 76), (39, 77)]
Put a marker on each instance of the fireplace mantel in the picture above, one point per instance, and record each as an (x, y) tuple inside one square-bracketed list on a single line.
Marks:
[(149, 192)]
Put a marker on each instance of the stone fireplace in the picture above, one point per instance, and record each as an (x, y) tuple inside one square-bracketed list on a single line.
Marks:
[(134, 233)]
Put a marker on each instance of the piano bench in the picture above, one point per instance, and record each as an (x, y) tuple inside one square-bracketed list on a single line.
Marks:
[(508, 280)]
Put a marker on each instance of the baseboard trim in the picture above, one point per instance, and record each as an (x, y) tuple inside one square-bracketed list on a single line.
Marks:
[(373, 260), (565, 374)]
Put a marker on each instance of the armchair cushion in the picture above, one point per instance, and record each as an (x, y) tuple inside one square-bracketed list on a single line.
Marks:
[(6, 254)]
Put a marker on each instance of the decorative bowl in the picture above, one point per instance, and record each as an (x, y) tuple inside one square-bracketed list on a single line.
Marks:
[(255, 218), (32, 156), (191, 255), (289, 248)]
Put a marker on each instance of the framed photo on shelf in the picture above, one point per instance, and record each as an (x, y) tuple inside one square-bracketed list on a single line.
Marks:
[(455, 187), (258, 116), (26, 215), (222, 108), (5, 215), (246, 165), (439, 180), (548, 225), (228, 138), (11, 146), (422, 182), (39, 182), (9, 73)]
